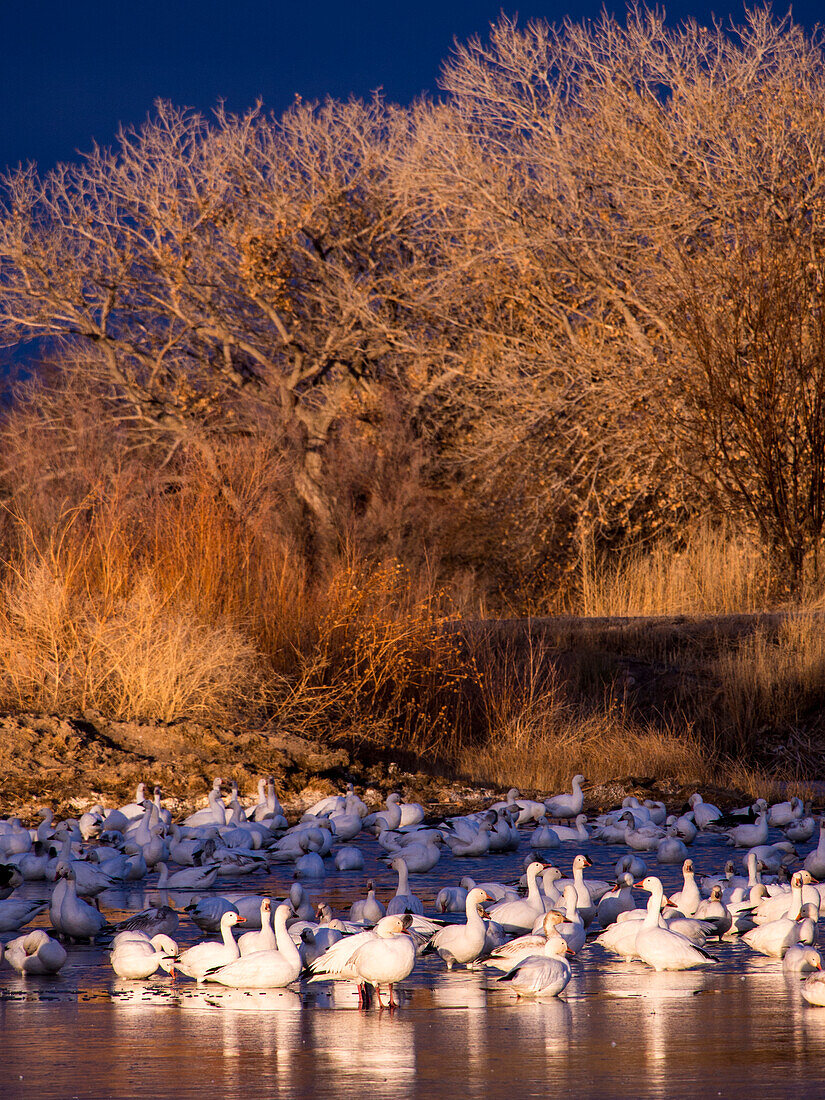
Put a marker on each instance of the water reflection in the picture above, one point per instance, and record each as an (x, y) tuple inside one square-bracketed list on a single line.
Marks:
[(739, 1028)]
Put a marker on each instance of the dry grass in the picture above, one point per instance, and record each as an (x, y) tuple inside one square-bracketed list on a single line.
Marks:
[(714, 572), (756, 782), (145, 603), (380, 667), (85, 624), (535, 736), (774, 677), (547, 744)]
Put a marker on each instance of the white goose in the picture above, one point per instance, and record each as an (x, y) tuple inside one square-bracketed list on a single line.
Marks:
[(35, 952), (204, 956), (687, 899), (617, 901), (268, 969), (368, 910), (580, 832), (508, 954), (187, 878), (15, 912), (404, 901), (801, 959), (74, 917), (519, 916), (135, 955), (544, 975), (263, 939), (384, 955), (463, 943), (543, 836), (567, 805), (815, 860), (658, 946), (776, 937)]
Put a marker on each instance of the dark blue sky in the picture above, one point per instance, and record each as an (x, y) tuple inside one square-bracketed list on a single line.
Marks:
[(72, 70)]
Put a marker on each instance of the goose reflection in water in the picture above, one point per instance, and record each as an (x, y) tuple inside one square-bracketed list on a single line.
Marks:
[(375, 1049)]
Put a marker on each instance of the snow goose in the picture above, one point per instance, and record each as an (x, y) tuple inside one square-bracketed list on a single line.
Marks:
[(671, 849), (620, 937), (347, 823), (815, 861), (567, 805), (687, 899), (188, 878), (801, 830), (15, 840), (421, 857), (386, 959), (206, 913), (463, 943), (580, 832), (585, 902), (776, 937), (32, 866), (140, 958), (684, 827), (543, 836), (452, 899), (368, 910), (130, 812), (74, 917), (550, 877), (813, 988), (749, 835), (203, 956), (508, 954), (349, 858), (264, 969), (310, 865), (154, 921), (214, 813), (784, 813), (544, 975), (616, 901), (643, 838), (571, 929), (504, 836), (656, 810), (786, 903), (714, 911), (264, 939), (300, 902), (632, 865), (801, 959), (35, 952), (404, 901), (15, 912), (704, 813), (388, 818), (367, 958), (660, 947), (477, 845), (519, 916)]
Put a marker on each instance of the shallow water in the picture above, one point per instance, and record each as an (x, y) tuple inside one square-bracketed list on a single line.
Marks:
[(737, 1029)]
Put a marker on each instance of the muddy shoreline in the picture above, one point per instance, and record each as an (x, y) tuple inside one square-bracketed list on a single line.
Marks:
[(71, 763)]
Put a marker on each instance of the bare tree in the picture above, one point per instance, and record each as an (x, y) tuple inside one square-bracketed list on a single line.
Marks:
[(663, 189), (219, 275)]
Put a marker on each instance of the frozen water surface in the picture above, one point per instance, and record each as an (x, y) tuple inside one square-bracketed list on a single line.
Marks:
[(735, 1029)]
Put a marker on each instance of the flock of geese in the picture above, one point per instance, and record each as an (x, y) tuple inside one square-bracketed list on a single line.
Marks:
[(524, 932)]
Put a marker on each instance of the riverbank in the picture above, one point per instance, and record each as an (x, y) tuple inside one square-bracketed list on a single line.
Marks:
[(656, 707)]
